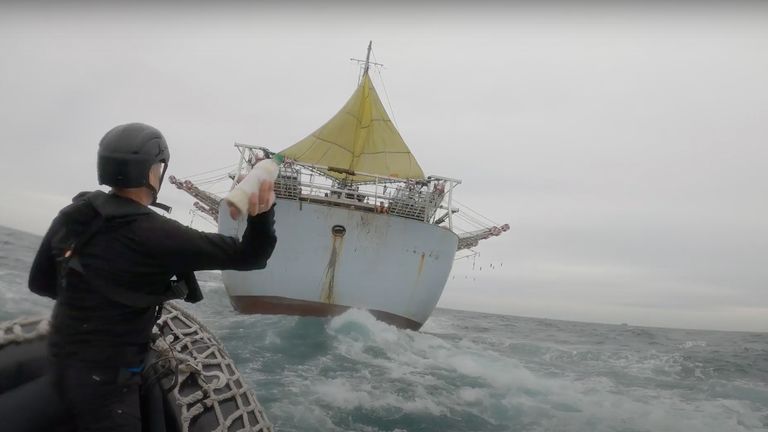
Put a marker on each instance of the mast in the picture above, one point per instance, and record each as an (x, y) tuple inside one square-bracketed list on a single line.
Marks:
[(368, 58), (366, 63)]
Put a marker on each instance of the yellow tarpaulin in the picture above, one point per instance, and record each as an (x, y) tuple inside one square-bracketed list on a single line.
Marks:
[(361, 138)]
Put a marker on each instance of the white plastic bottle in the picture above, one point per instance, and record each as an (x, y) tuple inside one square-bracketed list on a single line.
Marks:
[(238, 197)]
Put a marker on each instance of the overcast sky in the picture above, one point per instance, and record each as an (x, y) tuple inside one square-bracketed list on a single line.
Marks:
[(625, 146)]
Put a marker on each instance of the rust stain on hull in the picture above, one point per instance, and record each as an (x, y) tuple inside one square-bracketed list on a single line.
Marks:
[(421, 264), (326, 295)]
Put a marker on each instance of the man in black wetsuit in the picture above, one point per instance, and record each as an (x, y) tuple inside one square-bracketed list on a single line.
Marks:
[(110, 262)]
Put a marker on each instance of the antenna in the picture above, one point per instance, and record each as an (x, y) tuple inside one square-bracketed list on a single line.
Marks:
[(367, 62)]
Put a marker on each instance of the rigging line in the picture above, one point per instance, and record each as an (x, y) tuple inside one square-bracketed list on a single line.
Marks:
[(467, 226), (474, 222), (207, 172), (218, 177), (471, 219), (477, 221), (202, 181), (207, 180), (467, 256), (459, 232), (205, 218), (204, 177), (219, 193), (471, 211), (482, 216), (470, 222), (357, 70), (384, 87), (204, 186), (470, 229), (475, 212), (485, 219)]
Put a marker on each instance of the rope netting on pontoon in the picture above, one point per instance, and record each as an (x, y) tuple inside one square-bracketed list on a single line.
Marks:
[(206, 379), (23, 330), (191, 363)]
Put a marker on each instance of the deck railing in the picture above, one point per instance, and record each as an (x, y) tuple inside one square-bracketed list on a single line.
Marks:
[(428, 200), (425, 200)]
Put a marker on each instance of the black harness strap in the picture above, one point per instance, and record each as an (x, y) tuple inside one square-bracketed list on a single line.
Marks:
[(70, 258)]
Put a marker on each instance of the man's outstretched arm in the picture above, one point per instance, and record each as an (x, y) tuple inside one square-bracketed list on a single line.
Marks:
[(183, 249)]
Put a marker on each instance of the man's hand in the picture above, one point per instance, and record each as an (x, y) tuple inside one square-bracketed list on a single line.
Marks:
[(262, 200), (259, 202)]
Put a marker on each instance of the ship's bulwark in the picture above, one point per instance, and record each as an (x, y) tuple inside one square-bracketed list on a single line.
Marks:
[(329, 258)]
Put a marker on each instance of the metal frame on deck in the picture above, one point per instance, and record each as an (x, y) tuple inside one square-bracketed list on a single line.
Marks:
[(418, 199), (427, 200)]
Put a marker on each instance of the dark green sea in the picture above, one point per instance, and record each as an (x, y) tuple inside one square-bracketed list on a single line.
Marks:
[(467, 371)]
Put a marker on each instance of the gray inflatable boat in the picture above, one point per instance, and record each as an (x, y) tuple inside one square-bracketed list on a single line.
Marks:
[(190, 383)]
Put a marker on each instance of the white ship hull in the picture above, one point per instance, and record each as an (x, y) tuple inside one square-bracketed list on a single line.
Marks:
[(392, 266)]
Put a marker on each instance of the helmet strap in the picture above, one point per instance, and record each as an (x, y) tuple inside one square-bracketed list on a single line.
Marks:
[(161, 206), (154, 203)]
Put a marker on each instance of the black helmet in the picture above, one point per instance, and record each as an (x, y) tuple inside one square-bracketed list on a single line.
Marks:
[(126, 154)]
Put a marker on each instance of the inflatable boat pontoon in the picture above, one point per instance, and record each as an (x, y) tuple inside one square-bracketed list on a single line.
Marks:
[(190, 383)]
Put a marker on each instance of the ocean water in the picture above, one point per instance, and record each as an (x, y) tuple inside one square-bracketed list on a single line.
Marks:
[(468, 371)]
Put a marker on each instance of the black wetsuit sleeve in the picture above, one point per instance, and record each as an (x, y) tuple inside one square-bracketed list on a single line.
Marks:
[(182, 249), (42, 275)]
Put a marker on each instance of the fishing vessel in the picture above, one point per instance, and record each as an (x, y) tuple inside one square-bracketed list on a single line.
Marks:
[(359, 224)]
